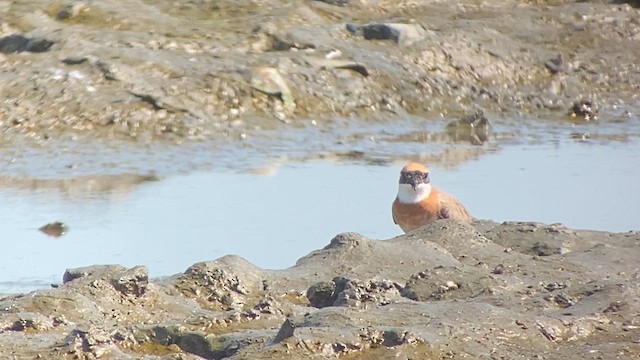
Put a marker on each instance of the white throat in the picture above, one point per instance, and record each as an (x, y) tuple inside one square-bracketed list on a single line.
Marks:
[(407, 195)]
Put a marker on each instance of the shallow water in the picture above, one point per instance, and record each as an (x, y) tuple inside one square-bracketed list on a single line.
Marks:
[(272, 220), (271, 200)]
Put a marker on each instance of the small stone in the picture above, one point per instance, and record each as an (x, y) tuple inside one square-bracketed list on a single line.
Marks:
[(336, 2), (585, 109), (75, 60), (556, 65), (499, 269), (70, 10), (54, 229), (403, 34)]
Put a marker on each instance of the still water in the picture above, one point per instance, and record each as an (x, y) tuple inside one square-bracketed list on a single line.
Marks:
[(272, 220)]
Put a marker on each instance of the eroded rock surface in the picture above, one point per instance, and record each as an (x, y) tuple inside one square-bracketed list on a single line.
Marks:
[(446, 290)]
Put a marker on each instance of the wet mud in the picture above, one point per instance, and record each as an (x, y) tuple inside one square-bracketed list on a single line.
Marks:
[(448, 290), (209, 70)]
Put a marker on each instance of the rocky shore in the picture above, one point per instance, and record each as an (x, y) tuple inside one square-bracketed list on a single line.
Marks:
[(447, 291)]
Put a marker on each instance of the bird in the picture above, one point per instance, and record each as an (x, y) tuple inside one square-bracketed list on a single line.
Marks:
[(418, 203)]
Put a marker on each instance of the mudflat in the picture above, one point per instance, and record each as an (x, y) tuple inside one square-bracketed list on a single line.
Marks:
[(235, 75), (448, 290)]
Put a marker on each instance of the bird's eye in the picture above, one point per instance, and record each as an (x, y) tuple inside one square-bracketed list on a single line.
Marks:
[(425, 176)]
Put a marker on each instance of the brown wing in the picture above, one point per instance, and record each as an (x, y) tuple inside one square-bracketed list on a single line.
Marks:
[(451, 208), (393, 212)]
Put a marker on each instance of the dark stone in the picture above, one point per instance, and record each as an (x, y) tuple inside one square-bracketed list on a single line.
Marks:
[(393, 337), (322, 294), (19, 43), (286, 331), (585, 109), (54, 229), (380, 32), (196, 342), (556, 65), (336, 2), (545, 249), (75, 60)]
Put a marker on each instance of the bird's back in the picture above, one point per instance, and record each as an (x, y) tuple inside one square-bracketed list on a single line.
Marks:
[(451, 208)]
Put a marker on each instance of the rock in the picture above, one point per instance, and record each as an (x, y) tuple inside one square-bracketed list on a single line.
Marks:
[(198, 343), (84, 341), (128, 282), (324, 63), (285, 332), (76, 273), (226, 283), (133, 282), (336, 2), (269, 81), (346, 292), (395, 337), (322, 294), (556, 65), (71, 10), (75, 60), (31, 322), (584, 109), (208, 346), (403, 34), (54, 229), (298, 39), (19, 43)]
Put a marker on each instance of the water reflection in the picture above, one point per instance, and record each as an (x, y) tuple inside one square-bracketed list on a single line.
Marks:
[(271, 220)]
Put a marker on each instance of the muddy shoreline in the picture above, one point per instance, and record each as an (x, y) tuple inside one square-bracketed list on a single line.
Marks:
[(449, 290), (179, 72)]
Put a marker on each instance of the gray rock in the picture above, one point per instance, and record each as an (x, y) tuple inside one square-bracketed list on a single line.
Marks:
[(94, 270), (286, 331), (336, 2), (133, 282), (71, 10), (322, 294), (403, 34), (19, 43), (75, 60)]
